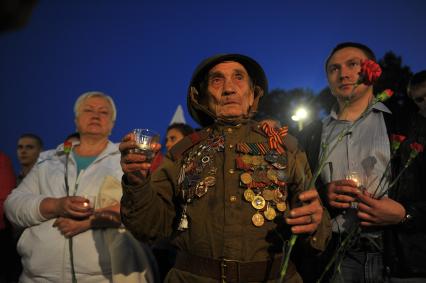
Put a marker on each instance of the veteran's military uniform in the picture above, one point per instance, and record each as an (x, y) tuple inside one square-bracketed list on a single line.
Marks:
[(221, 195)]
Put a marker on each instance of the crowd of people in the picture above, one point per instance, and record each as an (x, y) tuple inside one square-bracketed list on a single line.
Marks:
[(222, 203)]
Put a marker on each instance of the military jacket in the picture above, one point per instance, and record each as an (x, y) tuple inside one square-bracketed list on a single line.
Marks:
[(217, 219)]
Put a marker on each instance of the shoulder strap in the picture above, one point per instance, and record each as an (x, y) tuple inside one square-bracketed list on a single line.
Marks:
[(188, 142)]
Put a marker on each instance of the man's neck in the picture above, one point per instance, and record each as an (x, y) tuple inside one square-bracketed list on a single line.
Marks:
[(26, 169), (352, 109)]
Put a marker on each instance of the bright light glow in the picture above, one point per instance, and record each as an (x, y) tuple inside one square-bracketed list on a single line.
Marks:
[(300, 114)]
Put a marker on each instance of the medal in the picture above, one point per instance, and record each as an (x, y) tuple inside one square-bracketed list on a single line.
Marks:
[(258, 202), (281, 206), (249, 195), (270, 213), (281, 175), (201, 189), (246, 178), (268, 194), (210, 181), (257, 219), (246, 159), (279, 166), (271, 156), (272, 175), (256, 160)]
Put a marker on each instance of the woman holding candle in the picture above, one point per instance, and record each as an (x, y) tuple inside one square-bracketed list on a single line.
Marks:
[(61, 242)]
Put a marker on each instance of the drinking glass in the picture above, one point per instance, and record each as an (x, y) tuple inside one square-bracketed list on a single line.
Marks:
[(145, 138), (359, 179)]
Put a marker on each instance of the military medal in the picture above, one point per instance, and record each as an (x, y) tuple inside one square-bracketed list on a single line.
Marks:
[(201, 189), (210, 181), (246, 178), (249, 195), (246, 159), (281, 206), (258, 219), (270, 213), (268, 194), (272, 175), (258, 202)]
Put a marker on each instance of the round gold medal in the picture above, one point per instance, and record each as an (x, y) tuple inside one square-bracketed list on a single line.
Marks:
[(249, 195), (256, 160), (270, 213), (258, 202), (272, 175), (281, 206), (246, 178), (268, 194), (278, 196), (246, 159), (258, 219)]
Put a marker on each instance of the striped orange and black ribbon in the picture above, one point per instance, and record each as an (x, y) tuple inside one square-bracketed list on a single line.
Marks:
[(275, 137)]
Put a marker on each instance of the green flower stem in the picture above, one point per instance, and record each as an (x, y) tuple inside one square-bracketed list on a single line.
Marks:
[(410, 159), (70, 243), (340, 251), (286, 260), (73, 276)]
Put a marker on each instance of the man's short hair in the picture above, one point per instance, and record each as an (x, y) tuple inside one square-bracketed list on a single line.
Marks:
[(364, 48), (416, 79), (34, 137), (90, 94)]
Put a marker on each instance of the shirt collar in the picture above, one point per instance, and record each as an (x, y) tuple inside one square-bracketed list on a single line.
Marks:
[(379, 106)]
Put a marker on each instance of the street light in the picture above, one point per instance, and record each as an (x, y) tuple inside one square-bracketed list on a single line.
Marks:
[(299, 116)]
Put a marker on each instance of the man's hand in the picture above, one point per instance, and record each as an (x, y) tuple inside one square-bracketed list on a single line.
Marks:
[(341, 193), (305, 219), (71, 227), (379, 212), (134, 165)]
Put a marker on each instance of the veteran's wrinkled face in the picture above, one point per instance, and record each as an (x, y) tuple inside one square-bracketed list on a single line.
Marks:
[(418, 94), (28, 150), (343, 71), (94, 117), (230, 92)]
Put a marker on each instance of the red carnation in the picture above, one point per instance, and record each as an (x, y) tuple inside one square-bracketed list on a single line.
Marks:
[(370, 72), (417, 147), (398, 138), (67, 146), (396, 141), (384, 95)]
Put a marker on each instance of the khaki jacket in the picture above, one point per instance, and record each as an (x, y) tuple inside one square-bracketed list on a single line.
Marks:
[(220, 222)]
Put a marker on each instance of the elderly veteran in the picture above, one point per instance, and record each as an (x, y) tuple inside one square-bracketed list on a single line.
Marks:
[(227, 195)]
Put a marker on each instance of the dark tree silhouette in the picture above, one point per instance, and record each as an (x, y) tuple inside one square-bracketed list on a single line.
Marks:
[(281, 104)]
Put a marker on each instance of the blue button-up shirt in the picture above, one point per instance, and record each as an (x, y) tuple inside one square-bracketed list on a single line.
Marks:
[(365, 150)]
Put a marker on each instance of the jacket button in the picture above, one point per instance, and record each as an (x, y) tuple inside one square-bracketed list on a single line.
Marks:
[(231, 146), (231, 171), (229, 130), (232, 198)]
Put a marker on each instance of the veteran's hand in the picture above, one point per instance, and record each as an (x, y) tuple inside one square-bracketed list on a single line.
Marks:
[(71, 227), (306, 218), (341, 193), (379, 212), (134, 165)]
